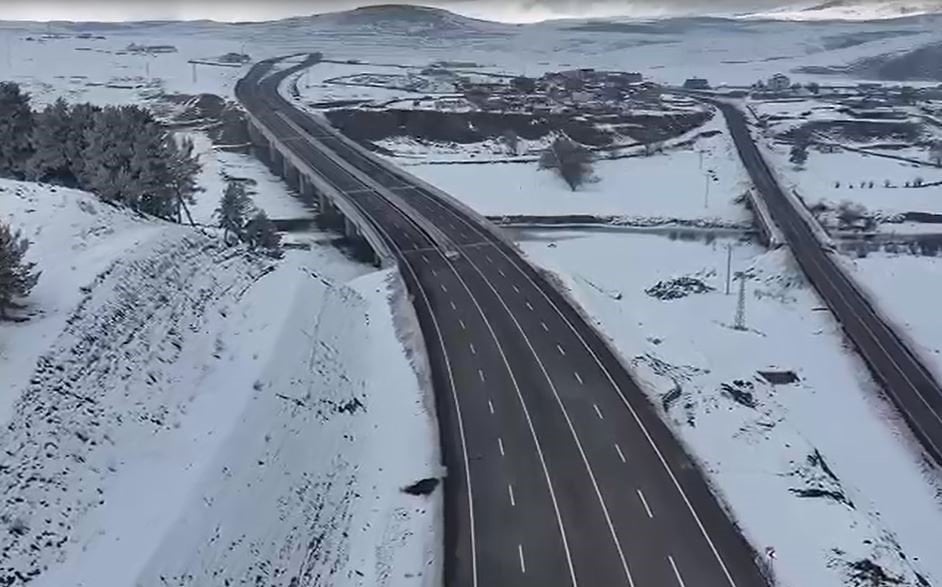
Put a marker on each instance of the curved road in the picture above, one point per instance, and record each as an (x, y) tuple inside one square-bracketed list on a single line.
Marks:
[(560, 472), (904, 378)]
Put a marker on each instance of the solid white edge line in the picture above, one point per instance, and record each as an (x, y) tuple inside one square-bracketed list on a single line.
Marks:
[(680, 580), (615, 386), (644, 502), (572, 430), (454, 393)]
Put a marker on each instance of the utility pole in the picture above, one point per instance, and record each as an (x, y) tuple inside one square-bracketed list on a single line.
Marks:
[(701, 159), (706, 191), (194, 73), (729, 265), (741, 303)]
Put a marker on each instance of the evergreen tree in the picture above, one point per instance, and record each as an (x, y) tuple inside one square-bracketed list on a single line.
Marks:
[(50, 161), (261, 233), (799, 153), (571, 160), (16, 128), (17, 277), (184, 169), (233, 210), (81, 121)]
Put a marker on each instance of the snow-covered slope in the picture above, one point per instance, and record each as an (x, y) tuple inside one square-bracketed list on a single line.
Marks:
[(860, 10), (178, 408)]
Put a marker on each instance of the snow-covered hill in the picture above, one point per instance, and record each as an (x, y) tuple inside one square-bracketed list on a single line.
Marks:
[(854, 10), (176, 408)]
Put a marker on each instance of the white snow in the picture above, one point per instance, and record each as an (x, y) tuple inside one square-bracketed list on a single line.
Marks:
[(756, 457), (176, 408), (672, 185), (905, 287)]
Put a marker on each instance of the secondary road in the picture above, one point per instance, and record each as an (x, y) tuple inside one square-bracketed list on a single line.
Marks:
[(906, 381), (560, 472)]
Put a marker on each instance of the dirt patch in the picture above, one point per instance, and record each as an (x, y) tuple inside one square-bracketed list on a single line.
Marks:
[(866, 573), (741, 392), (422, 487), (677, 288), (779, 377)]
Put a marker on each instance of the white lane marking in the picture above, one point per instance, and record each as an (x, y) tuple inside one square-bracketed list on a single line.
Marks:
[(636, 418), (644, 502), (621, 455), (481, 374), (490, 406), (598, 412), (453, 306), (516, 289), (545, 327), (488, 257), (510, 490), (473, 350), (444, 289), (434, 273), (536, 440), (523, 564), (502, 274), (578, 377), (500, 445), (572, 429), (425, 258), (461, 323), (680, 580), (561, 350), (529, 306)]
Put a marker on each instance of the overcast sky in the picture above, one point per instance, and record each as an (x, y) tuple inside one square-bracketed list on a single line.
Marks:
[(232, 10)]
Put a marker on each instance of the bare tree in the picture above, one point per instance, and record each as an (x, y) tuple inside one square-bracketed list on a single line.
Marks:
[(261, 233), (17, 276), (512, 140), (935, 153), (572, 161)]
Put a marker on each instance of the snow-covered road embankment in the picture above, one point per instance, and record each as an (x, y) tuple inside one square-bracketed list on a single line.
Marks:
[(180, 412)]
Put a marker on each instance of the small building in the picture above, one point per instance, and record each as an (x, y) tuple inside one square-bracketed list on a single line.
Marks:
[(779, 83), (697, 83)]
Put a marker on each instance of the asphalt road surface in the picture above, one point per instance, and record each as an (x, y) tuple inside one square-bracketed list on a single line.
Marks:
[(559, 470), (905, 380)]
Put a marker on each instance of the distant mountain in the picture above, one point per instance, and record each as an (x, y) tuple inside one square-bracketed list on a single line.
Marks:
[(402, 19), (857, 10)]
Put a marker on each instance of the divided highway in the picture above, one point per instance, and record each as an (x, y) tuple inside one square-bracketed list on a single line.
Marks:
[(906, 381), (560, 472)]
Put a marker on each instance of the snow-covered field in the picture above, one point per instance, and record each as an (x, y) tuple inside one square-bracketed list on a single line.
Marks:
[(821, 470), (245, 431), (177, 410), (906, 287), (698, 182), (832, 178)]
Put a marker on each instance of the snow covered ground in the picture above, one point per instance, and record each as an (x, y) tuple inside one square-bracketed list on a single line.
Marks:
[(906, 288), (822, 469), (832, 178), (674, 185), (177, 410)]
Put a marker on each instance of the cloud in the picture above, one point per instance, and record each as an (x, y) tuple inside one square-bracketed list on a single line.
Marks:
[(230, 10)]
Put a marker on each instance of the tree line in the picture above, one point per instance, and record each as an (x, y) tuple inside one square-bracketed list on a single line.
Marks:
[(120, 153)]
